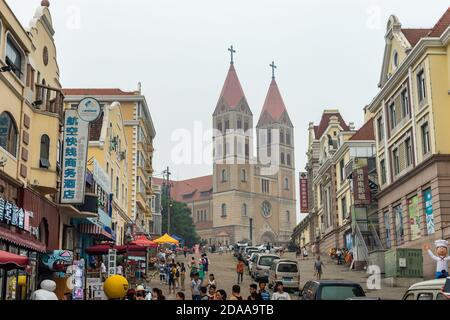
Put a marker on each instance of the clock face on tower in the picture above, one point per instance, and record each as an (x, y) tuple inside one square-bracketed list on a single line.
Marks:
[(266, 208)]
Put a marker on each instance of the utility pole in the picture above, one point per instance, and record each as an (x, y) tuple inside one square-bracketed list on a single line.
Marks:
[(169, 202)]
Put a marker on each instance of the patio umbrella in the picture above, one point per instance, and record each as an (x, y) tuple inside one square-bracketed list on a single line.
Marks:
[(166, 239), (144, 242)]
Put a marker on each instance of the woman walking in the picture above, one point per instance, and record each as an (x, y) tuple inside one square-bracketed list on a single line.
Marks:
[(182, 276)]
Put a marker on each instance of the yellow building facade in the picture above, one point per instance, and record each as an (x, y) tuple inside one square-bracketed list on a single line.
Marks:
[(412, 135), (138, 133)]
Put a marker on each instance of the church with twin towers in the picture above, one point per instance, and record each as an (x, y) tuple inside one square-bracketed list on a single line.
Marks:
[(248, 198)]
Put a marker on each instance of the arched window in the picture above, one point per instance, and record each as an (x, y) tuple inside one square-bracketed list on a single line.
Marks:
[(243, 175), (44, 161), (224, 210), (286, 183), (244, 210), (288, 159), (282, 158), (8, 133), (224, 175)]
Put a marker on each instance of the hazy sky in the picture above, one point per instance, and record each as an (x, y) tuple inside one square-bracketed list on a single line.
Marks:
[(328, 53)]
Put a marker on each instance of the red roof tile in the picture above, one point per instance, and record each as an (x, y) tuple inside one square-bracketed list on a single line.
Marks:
[(365, 133), (96, 92), (274, 104), (441, 25), (232, 91), (324, 122), (195, 189), (414, 35)]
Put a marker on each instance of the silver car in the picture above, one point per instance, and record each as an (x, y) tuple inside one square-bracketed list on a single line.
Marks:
[(261, 266)]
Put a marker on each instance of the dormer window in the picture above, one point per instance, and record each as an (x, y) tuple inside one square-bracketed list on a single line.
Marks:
[(395, 61)]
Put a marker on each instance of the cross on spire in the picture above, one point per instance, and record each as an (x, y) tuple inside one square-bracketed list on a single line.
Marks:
[(273, 66), (231, 52)]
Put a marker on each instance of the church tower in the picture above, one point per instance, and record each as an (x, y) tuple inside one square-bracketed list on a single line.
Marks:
[(232, 141), (276, 169)]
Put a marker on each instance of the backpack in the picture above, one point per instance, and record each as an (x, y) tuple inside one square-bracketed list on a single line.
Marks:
[(177, 273)]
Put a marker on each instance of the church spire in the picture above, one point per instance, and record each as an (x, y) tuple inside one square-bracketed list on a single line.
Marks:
[(274, 108), (232, 91)]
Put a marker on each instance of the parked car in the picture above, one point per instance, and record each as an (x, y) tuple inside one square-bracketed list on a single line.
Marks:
[(251, 261), (331, 290), (261, 266), (428, 290), (287, 272)]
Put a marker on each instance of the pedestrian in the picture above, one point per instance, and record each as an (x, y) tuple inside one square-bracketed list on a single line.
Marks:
[(263, 292), (168, 271), (236, 293), (221, 295), (240, 271), (131, 294), (204, 293), (155, 294), (172, 270), (279, 293), (339, 256), (206, 263), (46, 292), (305, 253), (162, 272), (182, 276), (212, 280), (185, 251), (201, 269), (193, 268), (119, 270), (140, 292), (318, 266), (253, 292), (180, 296), (212, 291), (196, 284)]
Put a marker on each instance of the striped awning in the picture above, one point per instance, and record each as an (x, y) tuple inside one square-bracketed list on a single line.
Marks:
[(90, 228)]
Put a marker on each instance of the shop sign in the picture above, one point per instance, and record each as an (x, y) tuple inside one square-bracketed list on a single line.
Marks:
[(427, 198), (361, 186), (74, 155), (101, 177), (95, 289), (304, 206), (11, 214), (89, 109), (57, 260), (77, 278)]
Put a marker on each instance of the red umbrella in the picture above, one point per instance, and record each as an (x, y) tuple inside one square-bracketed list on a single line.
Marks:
[(143, 241), (102, 249), (12, 261)]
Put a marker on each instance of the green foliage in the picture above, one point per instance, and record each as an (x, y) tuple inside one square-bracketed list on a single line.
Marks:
[(181, 222)]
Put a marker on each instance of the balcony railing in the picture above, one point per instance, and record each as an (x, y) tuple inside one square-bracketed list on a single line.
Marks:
[(49, 99)]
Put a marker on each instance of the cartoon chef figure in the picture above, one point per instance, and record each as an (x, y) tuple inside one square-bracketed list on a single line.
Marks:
[(441, 258)]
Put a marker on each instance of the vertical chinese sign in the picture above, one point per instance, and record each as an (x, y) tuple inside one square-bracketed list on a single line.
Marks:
[(304, 205), (361, 186), (427, 198), (74, 157)]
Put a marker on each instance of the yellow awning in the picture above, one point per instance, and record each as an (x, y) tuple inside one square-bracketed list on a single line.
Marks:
[(166, 239)]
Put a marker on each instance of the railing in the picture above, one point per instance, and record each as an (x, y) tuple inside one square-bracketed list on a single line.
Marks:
[(49, 99), (375, 236), (360, 244)]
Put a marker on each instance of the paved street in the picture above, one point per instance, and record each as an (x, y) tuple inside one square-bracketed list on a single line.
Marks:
[(223, 267)]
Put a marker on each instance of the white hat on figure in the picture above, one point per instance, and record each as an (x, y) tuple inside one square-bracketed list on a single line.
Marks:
[(441, 243)]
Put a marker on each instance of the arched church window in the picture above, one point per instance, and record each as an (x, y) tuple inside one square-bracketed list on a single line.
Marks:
[(224, 210), (8, 133)]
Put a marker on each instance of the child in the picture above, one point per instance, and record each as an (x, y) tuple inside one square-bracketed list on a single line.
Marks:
[(212, 281)]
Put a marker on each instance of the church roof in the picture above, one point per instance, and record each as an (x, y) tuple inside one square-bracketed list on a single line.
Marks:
[(232, 91), (195, 189), (273, 108)]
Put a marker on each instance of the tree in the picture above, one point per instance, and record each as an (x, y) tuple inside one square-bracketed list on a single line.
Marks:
[(181, 222)]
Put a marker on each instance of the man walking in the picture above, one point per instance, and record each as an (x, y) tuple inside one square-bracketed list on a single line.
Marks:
[(318, 266)]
